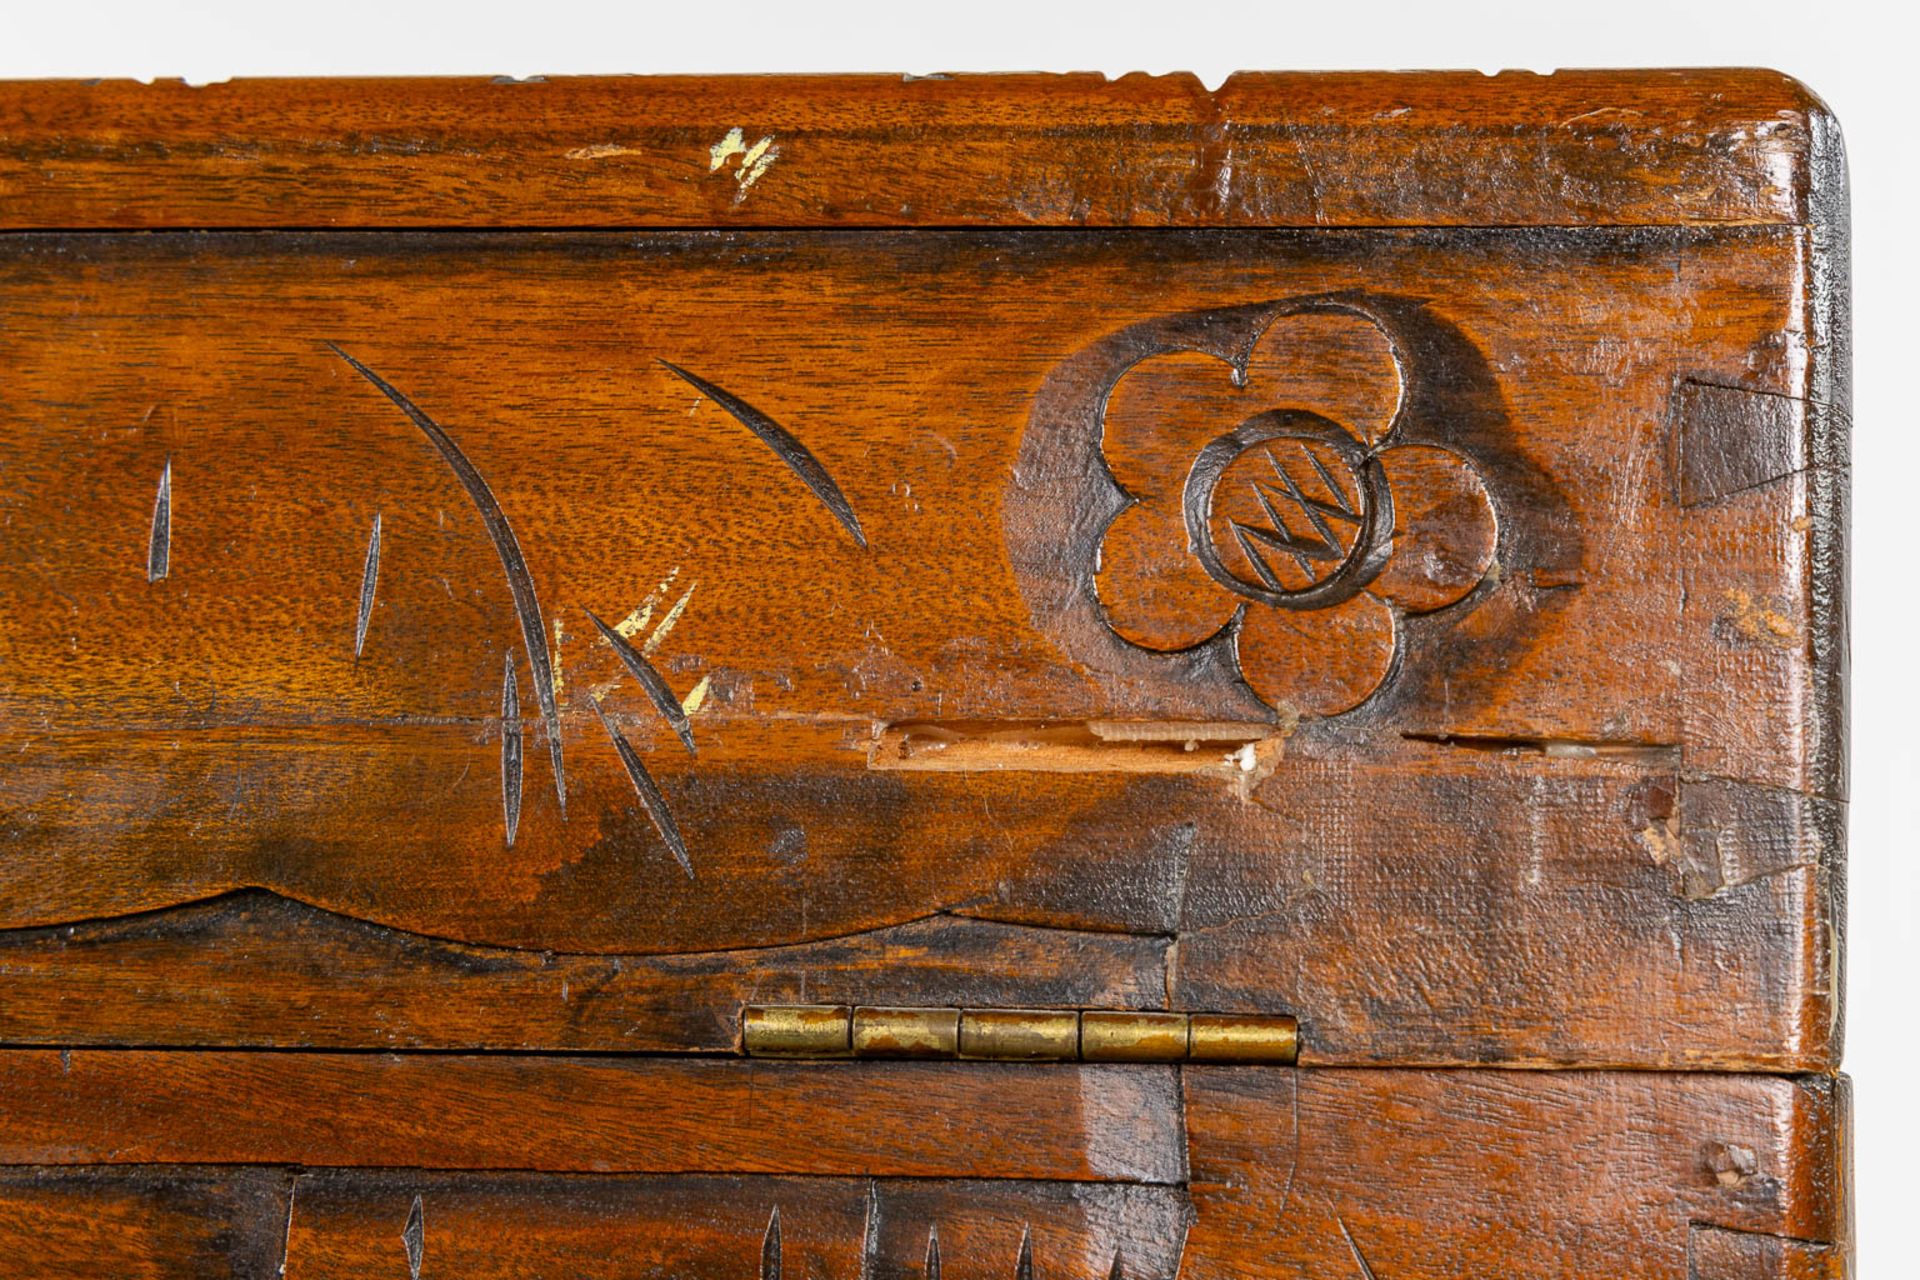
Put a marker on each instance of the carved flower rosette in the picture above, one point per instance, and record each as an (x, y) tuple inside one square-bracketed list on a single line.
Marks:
[(1277, 496), (1280, 497)]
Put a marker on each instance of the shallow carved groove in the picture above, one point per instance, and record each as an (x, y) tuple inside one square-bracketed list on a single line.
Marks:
[(254, 969), (664, 699), (512, 760), (647, 789), (414, 1236)]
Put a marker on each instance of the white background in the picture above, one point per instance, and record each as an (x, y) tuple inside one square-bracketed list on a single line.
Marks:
[(1857, 56)]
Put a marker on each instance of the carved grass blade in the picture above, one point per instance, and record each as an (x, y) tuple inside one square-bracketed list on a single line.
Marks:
[(1023, 1265), (770, 1248), (1359, 1258), (784, 445), (870, 1234), (512, 760), (932, 1271), (519, 581), (160, 536), (414, 1236), (648, 791), (369, 583), (650, 679)]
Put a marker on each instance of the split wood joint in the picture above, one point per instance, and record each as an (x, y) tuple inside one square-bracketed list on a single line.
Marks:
[(1016, 1035)]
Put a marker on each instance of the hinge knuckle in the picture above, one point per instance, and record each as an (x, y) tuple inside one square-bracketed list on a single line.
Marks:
[(1017, 1035)]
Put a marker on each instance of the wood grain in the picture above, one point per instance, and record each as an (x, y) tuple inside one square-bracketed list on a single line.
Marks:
[(1447, 1174), (251, 969), (157, 1223), (174, 741), (602, 1115), (1424, 1174), (502, 574), (1463, 149)]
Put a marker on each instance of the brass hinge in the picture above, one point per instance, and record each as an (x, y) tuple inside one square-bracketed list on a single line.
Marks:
[(1016, 1035)]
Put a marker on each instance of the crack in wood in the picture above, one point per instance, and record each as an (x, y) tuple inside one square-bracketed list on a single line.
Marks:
[(1229, 750), (1659, 753)]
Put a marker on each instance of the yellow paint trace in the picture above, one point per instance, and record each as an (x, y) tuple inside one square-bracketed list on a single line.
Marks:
[(755, 159), (659, 636), (697, 696), (636, 622), (600, 151)]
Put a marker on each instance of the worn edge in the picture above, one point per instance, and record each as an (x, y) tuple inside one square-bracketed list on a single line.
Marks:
[(1095, 104)]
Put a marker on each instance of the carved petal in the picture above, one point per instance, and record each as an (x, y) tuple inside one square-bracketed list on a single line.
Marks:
[(1317, 661), (1154, 591), (1339, 367), (1159, 415), (1443, 528)]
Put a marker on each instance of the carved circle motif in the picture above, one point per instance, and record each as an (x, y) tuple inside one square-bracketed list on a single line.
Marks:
[(1314, 540)]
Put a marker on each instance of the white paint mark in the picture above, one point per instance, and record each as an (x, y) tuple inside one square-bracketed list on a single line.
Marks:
[(754, 160)]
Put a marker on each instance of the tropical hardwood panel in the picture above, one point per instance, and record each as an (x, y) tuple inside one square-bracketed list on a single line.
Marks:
[(864, 557)]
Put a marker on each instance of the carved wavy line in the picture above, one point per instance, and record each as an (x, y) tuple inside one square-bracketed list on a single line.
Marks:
[(149, 916), (526, 604)]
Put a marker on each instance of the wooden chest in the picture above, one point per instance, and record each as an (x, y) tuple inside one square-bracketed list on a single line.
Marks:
[(1006, 677)]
